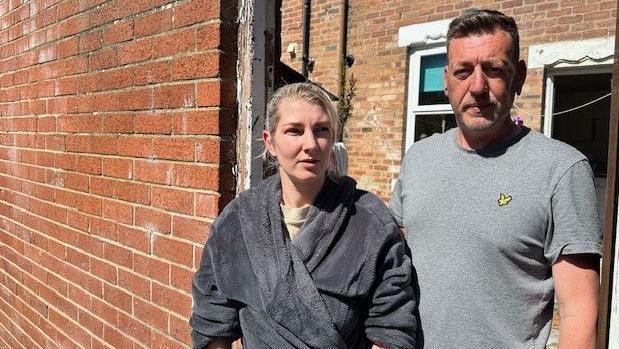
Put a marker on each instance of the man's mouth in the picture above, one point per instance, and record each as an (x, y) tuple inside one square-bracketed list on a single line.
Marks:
[(478, 107)]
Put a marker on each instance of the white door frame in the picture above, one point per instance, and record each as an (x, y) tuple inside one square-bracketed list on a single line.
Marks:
[(550, 87)]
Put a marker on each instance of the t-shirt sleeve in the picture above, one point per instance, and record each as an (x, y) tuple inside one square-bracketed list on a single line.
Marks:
[(395, 204), (575, 226)]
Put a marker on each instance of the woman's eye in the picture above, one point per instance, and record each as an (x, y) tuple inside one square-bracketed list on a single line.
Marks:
[(293, 131), (321, 129)]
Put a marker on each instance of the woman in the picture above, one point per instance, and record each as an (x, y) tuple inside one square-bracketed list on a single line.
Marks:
[(304, 260)]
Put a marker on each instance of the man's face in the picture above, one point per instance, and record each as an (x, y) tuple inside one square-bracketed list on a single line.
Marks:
[(481, 80)]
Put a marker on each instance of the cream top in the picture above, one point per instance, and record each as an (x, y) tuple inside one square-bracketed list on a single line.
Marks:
[(294, 217)]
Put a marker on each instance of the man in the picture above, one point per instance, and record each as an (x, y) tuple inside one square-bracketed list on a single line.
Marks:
[(499, 218)]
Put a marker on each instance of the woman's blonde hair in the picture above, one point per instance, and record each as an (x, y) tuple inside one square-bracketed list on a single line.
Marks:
[(301, 91)]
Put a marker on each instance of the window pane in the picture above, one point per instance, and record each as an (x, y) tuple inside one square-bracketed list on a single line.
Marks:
[(427, 125), (431, 79)]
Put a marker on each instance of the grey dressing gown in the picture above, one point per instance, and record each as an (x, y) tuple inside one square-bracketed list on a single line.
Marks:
[(344, 283)]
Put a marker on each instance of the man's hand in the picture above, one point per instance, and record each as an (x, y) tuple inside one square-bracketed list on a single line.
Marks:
[(577, 281)]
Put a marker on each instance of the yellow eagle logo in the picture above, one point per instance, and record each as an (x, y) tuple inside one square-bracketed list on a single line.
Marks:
[(504, 199)]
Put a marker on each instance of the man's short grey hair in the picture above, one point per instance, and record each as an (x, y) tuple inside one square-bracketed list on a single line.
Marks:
[(477, 22)]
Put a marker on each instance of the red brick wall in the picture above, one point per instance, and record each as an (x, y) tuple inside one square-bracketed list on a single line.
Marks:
[(116, 125), (374, 134)]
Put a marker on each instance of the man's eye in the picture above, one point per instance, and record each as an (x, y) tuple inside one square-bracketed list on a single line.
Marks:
[(462, 73), (494, 71)]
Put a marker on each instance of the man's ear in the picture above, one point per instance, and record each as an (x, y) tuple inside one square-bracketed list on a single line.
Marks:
[(521, 75), (445, 82), (268, 142)]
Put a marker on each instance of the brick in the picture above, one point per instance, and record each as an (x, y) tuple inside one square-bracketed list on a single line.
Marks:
[(88, 164), (136, 51), (174, 250), (103, 59), (133, 192), (105, 13), (78, 220), (72, 26), (91, 322), (197, 122), (152, 315), (153, 268), (214, 151), (135, 329), (116, 338), (163, 341), (134, 7), (173, 44), (153, 171), (173, 200), (174, 148), (134, 238), (153, 23), (117, 211), (190, 229), (179, 329), (209, 36), (104, 311), (171, 299), (67, 8), (152, 72), (80, 297), (157, 123), (118, 32), (216, 93), (118, 255), (102, 186), (76, 181), (135, 146), (103, 228), (152, 220), (194, 11), (90, 41), (103, 270), (134, 283), (140, 99), (114, 295), (209, 205), (196, 176), (117, 168), (181, 278), (117, 123), (174, 96), (77, 258), (200, 65)]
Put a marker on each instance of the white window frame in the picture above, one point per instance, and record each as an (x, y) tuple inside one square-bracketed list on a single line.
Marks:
[(413, 107), (422, 39)]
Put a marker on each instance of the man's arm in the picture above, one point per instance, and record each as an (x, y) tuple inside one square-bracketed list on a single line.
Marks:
[(576, 280)]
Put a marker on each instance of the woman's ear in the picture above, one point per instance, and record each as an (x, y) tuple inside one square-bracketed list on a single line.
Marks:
[(268, 143)]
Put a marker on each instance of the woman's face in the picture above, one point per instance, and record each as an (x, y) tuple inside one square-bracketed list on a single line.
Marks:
[(301, 142)]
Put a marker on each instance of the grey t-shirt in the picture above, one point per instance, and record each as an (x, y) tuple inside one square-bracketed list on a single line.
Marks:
[(485, 228)]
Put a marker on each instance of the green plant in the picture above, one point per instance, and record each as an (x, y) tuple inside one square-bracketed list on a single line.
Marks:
[(345, 106)]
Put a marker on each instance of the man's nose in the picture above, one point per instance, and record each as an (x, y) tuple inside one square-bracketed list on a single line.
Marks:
[(479, 82)]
